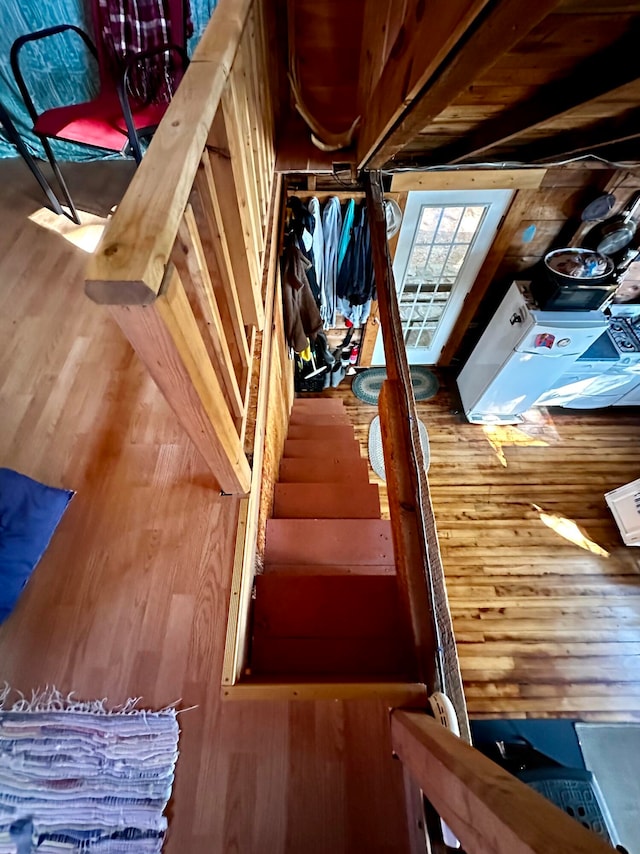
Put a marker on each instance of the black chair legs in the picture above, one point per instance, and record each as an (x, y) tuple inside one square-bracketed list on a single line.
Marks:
[(15, 139), (61, 182)]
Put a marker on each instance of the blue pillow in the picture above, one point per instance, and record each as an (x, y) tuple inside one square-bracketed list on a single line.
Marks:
[(29, 514)]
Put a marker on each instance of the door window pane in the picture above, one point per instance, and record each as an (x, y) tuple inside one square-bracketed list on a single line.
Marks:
[(441, 245)]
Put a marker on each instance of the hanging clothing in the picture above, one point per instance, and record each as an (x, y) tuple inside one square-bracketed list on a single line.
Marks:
[(331, 228), (317, 247), (345, 233), (302, 319), (133, 26), (302, 225), (355, 279)]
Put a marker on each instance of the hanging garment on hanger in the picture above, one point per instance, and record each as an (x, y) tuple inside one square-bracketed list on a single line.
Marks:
[(302, 319), (331, 227), (345, 232), (302, 224), (318, 248), (355, 287)]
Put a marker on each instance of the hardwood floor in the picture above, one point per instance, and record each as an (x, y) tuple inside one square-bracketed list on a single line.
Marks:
[(544, 627), (131, 596)]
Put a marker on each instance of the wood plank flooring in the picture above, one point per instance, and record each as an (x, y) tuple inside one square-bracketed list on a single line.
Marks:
[(544, 626), (131, 597)]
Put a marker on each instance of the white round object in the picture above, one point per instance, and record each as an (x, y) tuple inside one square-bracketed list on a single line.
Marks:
[(444, 712), (393, 216), (376, 453)]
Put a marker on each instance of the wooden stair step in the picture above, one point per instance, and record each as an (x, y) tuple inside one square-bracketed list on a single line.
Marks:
[(325, 501), (329, 541), (318, 404), (350, 470), (344, 606), (321, 569), (325, 433), (328, 419), (307, 448), (345, 659)]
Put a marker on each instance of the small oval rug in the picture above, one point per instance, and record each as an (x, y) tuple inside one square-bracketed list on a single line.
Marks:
[(366, 385), (376, 454)]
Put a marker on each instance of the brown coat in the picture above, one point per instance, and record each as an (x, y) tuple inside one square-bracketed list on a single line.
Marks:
[(302, 319)]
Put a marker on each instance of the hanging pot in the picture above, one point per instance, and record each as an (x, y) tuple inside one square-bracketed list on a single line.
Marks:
[(616, 233)]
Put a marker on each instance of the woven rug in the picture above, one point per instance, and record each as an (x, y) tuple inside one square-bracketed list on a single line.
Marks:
[(75, 776), (376, 453), (367, 384)]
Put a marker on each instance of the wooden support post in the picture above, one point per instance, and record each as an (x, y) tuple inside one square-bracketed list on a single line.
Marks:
[(412, 566), (206, 299), (235, 222), (230, 287), (488, 809), (166, 337)]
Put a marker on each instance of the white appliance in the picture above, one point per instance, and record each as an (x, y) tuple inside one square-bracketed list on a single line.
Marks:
[(520, 355), (607, 374)]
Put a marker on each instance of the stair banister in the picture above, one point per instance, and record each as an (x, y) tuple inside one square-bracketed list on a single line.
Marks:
[(418, 564), (489, 810), (181, 262)]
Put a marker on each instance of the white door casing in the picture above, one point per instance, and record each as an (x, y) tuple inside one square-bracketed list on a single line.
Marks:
[(444, 238)]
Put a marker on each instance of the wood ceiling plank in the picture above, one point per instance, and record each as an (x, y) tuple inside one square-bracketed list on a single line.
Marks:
[(423, 42), (604, 74), (502, 27)]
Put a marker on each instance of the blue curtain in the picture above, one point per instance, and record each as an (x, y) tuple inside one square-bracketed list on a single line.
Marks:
[(57, 70)]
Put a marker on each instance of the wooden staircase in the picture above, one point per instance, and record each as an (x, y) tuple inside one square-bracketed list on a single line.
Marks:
[(326, 604)]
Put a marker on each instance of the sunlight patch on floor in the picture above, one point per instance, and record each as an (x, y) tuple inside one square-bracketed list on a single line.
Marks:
[(500, 436), (568, 529), (85, 236)]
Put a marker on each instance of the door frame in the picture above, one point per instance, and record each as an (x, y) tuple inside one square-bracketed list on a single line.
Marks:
[(499, 201)]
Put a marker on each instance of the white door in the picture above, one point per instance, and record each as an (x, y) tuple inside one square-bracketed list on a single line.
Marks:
[(443, 241)]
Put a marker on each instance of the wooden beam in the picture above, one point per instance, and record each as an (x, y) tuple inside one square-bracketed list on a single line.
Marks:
[(607, 132), (507, 232), (129, 265), (605, 73), (468, 179), (398, 369), (493, 34), (209, 211), (243, 259), (244, 567), (425, 38), (206, 299), (410, 694), (412, 561), (166, 337), (488, 809)]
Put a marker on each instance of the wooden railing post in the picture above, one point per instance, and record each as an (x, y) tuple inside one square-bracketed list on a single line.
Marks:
[(173, 266), (420, 573), (489, 810), (165, 336)]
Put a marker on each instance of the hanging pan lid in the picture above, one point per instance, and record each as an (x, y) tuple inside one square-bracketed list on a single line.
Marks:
[(599, 208)]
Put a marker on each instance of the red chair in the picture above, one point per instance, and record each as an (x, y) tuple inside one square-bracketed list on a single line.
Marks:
[(120, 115)]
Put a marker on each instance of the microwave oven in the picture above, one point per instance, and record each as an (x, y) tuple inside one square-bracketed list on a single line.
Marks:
[(581, 295)]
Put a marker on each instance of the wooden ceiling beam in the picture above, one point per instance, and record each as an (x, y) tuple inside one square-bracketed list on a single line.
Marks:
[(423, 36), (600, 75), (481, 40), (604, 134)]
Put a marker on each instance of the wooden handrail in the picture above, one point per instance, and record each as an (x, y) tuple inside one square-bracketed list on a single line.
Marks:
[(180, 264), (418, 566), (489, 810)]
